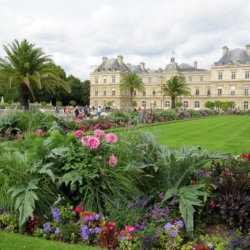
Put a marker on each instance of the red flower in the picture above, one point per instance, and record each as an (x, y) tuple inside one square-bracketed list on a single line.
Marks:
[(212, 202), (244, 155), (79, 209), (194, 182), (248, 157)]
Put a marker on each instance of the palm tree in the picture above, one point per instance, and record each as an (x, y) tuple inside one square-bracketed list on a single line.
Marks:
[(175, 87), (132, 82), (27, 66)]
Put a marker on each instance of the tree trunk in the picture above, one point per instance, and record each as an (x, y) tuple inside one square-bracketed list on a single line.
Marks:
[(24, 96), (172, 102)]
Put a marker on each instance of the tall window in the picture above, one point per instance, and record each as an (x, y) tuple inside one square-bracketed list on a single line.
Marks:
[(232, 91), (185, 104), (134, 92), (219, 75), (143, 104), (96, 92), (167, 104), (149, 80), (245, 105), (96, 79), (96, 103), (246, 91), (113, 92), (154, 92), (113, 79), (201, 78), (247, 74), (197, 105), (219, 91), (233, 75), (190, 78), (144, 93), (104, 104), (104, 79), (197, 91), (208, 91), (104, 92)]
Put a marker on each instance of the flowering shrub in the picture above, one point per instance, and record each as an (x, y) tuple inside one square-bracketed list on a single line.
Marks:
[(8, 222)]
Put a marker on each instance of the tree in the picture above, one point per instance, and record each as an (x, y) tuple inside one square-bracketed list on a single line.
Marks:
[(27, 67), (175, 87), (209, 105), (178, 104), (132, 82), (218, 104)]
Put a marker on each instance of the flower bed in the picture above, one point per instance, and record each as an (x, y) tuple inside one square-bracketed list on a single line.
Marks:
[(126, 192)]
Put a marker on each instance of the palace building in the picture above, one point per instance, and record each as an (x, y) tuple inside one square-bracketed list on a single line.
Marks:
[(227, 80)]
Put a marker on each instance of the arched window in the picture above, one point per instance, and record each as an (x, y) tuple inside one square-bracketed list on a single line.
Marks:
[(197, 105), (185, 105), (167, 104), (144, 104), (245, 105)]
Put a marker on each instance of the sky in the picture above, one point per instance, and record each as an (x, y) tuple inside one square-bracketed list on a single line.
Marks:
[(78, 33)]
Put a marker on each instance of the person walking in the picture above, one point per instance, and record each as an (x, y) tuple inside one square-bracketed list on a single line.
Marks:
[(76, 111)]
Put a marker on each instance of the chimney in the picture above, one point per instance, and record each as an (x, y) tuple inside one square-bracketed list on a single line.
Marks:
[(104, 59), (248, 49), (225, 50), (195, 64), (142, 66), (120, 59)]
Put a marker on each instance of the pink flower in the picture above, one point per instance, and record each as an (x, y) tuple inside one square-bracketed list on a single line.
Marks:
[(130, 237), (78, 133), (113, 161), (130, 229), (78, 209), (99, 133), (91, 142), (111, 138), (122, 232), (39, 132)]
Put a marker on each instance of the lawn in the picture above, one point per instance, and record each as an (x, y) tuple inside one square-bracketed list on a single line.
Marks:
[(12, 241), (220, 133)]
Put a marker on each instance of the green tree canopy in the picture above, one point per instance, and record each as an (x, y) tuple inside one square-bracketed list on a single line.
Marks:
[(26, 67), (175, 87), (209, 105), (132, 82)]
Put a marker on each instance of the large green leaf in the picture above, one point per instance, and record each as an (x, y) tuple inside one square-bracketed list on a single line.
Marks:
[(25, 197)]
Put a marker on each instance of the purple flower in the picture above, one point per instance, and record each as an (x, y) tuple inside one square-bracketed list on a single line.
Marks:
[(57, 231), (167, 226), (210, 245), (180, 223), (56, 214), (173, 234), (1, 208), (84, 232), (47, 227), (97, 230), (5, 213), (97, 217)]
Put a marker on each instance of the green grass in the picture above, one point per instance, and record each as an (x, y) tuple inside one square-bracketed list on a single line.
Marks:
[(220, 133), (12, 241)]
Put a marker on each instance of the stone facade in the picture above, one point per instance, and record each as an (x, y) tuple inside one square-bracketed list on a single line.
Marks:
[(227, 80)]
